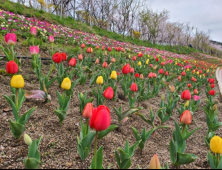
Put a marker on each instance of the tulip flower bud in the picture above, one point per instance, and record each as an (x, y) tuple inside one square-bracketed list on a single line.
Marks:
[(83, 45), (64, 56), (33, 30), (195, 91), (81, 96), (80, 57), (186, 117), (113, 75), (172, 89), (134, 87), (113, 60), (12, 67), (108, 93), (212, 92), (132, 70), (155, 163), (109, 49), (186, 95), (97, 61), (141, 76), (66, 84), (161, 71), (10, 39), (137, 75), (216, 145), (27, 140), (97, 47), (187, 103), (104, 64), (51, 39), (134, 58), (139, 63), (57, 58), (163, 97), (147, 61), (34, 50), (99, 80), (88, 110), (72, 62), (17, 81), (126, 69)]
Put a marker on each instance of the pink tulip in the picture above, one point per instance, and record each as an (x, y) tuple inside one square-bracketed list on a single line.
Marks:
[(97, 61), (132, 70), (51, 39), (10, 39), (113, 60), (33, 30), (34, 50), (80, 57), (196, 98)]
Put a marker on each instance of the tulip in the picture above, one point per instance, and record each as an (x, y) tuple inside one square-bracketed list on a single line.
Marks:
[(113, 60), (119, 49), (193, 79), (155, 163), (141, 76), (212, 86), (189, 85), (172, 89), (108, 93), (27, 139), (99, 80), (134, 87), (97, 47), (183, 73), (17, 81), (166, 73), (140, 54), (154, 75), (157, 59), (80, 57), (186, 117), (134, 58), (162, 63), (66, 84), (33, 30), (216, 145), (113, 75), (51, 39), (196, 98), (57, 58), (147, 61), (87, 111), (83, 45), (34, 50), (89, 50), (64, 56), (103, 48), (104, 64), (72, 62), (150, 75), (212, 92), (161, 71), (100, 119), (109, 49), (132, 70), (151, 65), (97, 61), (186, 95), (211, 81), (137, 75), (126, 69), (195, 91), (179, 78), (139, 63), (12, 67), (10, 39)]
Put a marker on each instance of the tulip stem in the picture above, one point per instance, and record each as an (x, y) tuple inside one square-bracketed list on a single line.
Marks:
[(218, 158), (95, 149), (17, 95)]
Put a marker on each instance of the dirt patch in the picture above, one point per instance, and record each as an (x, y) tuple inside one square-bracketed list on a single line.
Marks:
[(59, 146)]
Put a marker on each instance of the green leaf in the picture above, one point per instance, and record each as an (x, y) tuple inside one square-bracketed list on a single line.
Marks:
[(31, 163), (32, 149), (210, 159), (185, 158), (87, 141), (130, 111), (117, 158), (178, 136), (133, 148), (97, 162), (61, 114), (126, 164), (107, 131), (190, 133), (13, 106), (220, 164), (136, 134), (26, 116), (173, 152), (17, 129), (126, 149)]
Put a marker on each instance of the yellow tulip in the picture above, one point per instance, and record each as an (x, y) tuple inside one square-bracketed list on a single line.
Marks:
[(99, 80), (66, 84), (17, 81), (139, 63), (155, 163), (147, 61), (208, 71), (198, 73), (187, 104), (113, 75), (216, 145), (148, 56), (188, 69)]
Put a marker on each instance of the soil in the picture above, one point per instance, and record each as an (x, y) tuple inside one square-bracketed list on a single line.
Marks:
[(58, 147)]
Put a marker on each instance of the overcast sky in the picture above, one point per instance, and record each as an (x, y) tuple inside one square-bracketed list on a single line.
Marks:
[(203, 14)]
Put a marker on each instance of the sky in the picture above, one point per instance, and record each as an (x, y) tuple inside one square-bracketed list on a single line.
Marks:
[(203, 14)]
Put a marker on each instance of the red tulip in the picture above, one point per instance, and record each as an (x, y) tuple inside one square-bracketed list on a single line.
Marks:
[(126, 69), (72, 62), (97, 61), (179, 78), (80, 57), (64, 57), (109, 49), (212, 92), (162, 63), (137, 75), (195, 91), (140, 54), (97, 47), (33, 30), (88, 110), (211, 81), (10, 39), (212, 86), (89, 50), (161, 71), (150, 75), (189, 85), (193, 79), (186, 117), (51, 39), (134, 58), (119, 49), (108, 93), (118, 73), (134, 87), (132, 70), (104, 64), (157, 59), (183, 73), (83, 45), (57, 58), (103, 48), (186, 95), (154, 75), (100, 119), (151, 65), (12, 67), (166, 73)]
